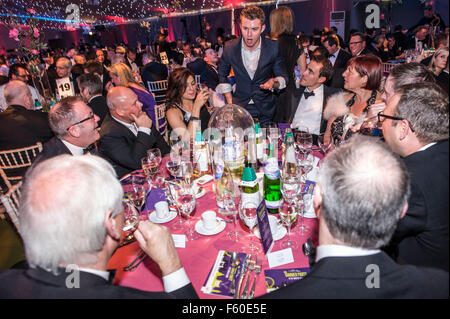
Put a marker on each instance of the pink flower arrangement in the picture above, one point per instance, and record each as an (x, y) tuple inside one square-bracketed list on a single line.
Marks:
[(32, 11), (14, 34), (35, 52), (36, 32)]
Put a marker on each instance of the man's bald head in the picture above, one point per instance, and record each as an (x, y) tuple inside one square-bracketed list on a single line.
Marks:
[(122, 103), (17, 93)]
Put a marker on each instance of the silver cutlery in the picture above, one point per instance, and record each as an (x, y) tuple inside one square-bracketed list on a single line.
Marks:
[(136, 262), (250, 269), (258, 268), (241, 277)]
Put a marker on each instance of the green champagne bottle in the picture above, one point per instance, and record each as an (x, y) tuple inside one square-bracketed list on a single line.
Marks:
[(272, 193)]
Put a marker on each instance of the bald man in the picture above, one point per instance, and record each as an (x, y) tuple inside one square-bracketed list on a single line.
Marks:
[(127, 132), (20, 125)]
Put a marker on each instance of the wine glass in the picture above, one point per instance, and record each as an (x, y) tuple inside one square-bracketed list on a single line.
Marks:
[(231, 201), (154, 154), (324, 144), (137, 195), (288, 215), (306, 163), (131, 220), (303, 202), (290, 186), (247, 213), (150, 167), (187, 172), (304, 141), (184, 196), (173, 166)]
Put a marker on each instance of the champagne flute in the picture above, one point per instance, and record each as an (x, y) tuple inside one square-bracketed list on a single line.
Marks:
[(131, 220), (185, 200), (323, 144), (247, 213), (304, 141), (231, 201), (154, 154), (137, 196), (288, 215), (150, 167), (173, 166), (187, 172), (304, 200)]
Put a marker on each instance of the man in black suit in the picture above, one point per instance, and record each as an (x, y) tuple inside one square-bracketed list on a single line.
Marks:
[(361, 193), (127, 132), (357, 44), (91, 89), (20, 125), (69, 243), (310, 98), (258, 67), (418, 40), (197, 65), (153, 70), (94, 67), (415, 125), (76, 129), (211, 75), (338, 59)]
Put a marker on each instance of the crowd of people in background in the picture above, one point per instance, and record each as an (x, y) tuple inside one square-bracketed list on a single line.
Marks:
[(320, 83)]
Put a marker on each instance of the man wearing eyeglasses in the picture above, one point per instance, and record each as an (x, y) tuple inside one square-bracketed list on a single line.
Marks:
[(18, 72), (75, 127), (415, 125), (357, 44)]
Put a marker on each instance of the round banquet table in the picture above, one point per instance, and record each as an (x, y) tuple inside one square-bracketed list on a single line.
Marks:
[(199, 255)]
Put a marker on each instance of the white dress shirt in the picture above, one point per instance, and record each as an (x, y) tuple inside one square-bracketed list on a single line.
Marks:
[(133, 128), (333, 57), (309, 112), (75, 150), (342, 251)]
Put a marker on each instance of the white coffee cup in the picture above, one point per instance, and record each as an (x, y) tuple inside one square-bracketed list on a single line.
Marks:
[(162, 209), (209, 220)]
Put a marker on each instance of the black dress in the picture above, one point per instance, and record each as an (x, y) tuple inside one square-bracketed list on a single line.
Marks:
[(290, 52), (337, 127), (204, 116)]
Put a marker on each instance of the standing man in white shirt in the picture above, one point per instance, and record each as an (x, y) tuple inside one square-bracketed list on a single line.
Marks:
[(258, 67), (310, 98)]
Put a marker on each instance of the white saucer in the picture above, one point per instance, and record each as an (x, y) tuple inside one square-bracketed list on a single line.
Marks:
[(202, 231), (154, 219), (276, 234)]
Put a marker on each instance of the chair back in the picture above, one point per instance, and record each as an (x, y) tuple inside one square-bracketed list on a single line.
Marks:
[(159, 89), (10, 201), (13, 163)]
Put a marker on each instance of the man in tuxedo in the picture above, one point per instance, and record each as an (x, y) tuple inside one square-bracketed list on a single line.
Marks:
[(197, 65), (310, 98), (76, 129), (338, 59), (357, 44), (63, 68), (96, 68), (91, 89), (416, 126), (69, 242), (418, 40), (20, 125), (211, 75), (127, 132), (361, 193), (258, 67), (153, 69)]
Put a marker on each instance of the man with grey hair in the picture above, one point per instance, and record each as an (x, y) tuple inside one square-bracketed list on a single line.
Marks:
[(91, 89), (403, 74), (415, 125), (69, 242), (75, 126), (127, 132), (20, 125), (360, 195)]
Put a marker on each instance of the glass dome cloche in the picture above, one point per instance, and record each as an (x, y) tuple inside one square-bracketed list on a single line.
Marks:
[(230, 134)]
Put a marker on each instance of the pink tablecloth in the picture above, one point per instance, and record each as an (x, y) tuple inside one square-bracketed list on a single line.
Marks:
[(199, 255)]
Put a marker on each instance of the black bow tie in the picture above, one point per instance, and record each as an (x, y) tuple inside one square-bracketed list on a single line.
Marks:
[(332, 56), (308, 94), (89, 149)]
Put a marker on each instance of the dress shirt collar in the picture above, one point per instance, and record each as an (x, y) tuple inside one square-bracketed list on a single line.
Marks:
[(100, 273), (334, 56), (75, 150), (423, 148), (132, 127), (253, 51), (324, 251), (93, 97)]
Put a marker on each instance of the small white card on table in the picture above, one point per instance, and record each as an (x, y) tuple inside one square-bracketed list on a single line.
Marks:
[(179, 240), (280, 257)]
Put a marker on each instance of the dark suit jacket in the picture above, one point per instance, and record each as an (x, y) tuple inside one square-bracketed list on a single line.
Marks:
[(154, 71), (411, 43), (99, 107), (297, 95), (210, 77), (342, 59), (270, 65), (20, 127), (37, 283), (422, 235), (197, 66), (52, 148), (339, 67), (346, 277), (123, 149)]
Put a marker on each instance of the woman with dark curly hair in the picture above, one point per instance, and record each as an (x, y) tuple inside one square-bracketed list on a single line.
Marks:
[(186, 108)]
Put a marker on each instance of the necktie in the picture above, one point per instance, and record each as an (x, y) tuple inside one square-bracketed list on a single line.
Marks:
[(308, 94)]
